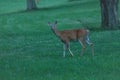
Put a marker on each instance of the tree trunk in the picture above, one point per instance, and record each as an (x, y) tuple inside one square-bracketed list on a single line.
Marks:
[(109, 13), (31, 5)]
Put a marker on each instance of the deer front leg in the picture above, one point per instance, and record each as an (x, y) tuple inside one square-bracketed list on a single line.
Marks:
[(68, 47), (65, 47), (70, 51)]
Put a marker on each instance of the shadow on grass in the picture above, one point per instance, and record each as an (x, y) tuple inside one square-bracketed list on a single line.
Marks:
[(45, 8), (74, 4)]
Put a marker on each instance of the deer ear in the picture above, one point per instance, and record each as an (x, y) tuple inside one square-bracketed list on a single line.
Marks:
[(56, 22)]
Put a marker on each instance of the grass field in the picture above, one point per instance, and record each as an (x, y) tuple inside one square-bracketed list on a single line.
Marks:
[(30, 51)]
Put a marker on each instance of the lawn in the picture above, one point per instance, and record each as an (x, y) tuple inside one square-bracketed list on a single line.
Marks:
[(30, 51)]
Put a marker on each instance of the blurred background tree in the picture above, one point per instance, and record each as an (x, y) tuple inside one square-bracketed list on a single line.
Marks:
[(109, 14), (31, 4)]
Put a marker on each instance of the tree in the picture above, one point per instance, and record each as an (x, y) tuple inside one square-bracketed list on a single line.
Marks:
[(31, 5), (109, 13)]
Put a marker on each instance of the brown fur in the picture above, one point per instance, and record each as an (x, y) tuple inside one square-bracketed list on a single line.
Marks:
[(66, 36)]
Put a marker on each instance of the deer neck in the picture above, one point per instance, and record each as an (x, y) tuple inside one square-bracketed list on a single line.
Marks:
[(56, 32)]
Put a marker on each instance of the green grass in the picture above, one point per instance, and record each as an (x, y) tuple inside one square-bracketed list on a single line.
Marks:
[(30, 51)]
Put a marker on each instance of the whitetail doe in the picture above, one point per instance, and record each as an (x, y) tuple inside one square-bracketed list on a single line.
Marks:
[(66, 36)]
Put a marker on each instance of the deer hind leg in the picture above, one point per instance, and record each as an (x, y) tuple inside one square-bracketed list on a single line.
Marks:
[(83, 45), (87, 40)]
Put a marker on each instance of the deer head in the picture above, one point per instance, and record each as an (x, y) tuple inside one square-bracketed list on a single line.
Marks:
[(52, 25)]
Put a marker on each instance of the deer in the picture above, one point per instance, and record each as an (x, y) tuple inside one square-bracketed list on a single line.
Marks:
[(66, 36)]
